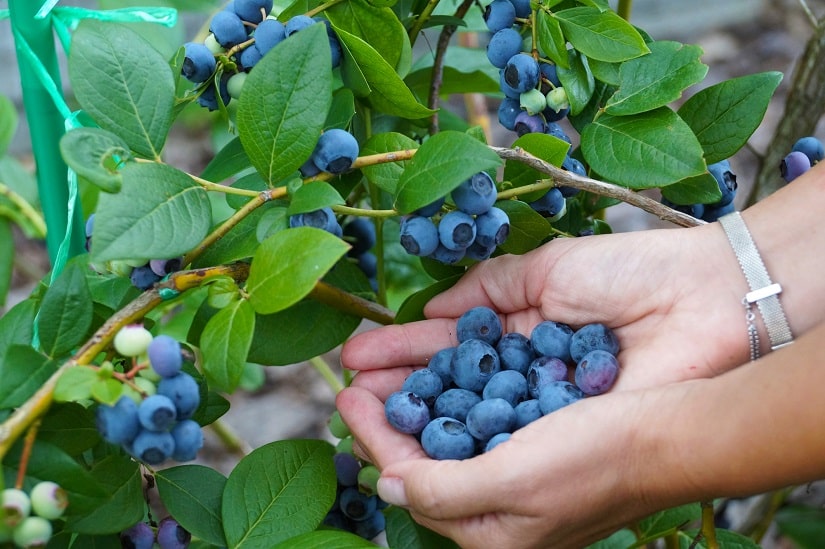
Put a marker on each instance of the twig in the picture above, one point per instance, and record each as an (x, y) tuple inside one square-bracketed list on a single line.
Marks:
[(708, 525), (28, 443), (352, 304), (808, 13), (326, 372)]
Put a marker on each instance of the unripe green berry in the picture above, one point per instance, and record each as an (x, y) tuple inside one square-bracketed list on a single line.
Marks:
[(132, 340), (557, 99), (337, 427), (532, 101), (147, 386), (148, 373), (49, 500), (344, 446), (32, 532), (119, 268), (213, 44), (235, 84), (368, 479), (16, 506)]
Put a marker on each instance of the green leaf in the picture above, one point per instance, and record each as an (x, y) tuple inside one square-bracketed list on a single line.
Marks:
[(412, 309), (404, 533), (192, 494), (215, 407), (551, 38), (442, 162), (107, 391), (280, 490), (378, 27), (658, 524), (274, 284), (655, 80), (577, 81), (6, 259), (16, 325), (725, 538), (326, 539), (71, 427), (96, 154), (225, 343), (66, 312), (314, 196), (805, 526), (239, 243), (23, 370), (159, 213), (725, 115), (605, 72), (228, 161), (621, 539), (466, 70), (111, 291), (548, 148), (602, 35), (694, 190), (651, 149), (75, 383), (342, 109), (528, 228), (124, 83), (386, 175), (388, 92), (285, 103), (273, 220), (8, 123)]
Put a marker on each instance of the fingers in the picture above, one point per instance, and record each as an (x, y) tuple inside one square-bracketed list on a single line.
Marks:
[(382, 383)]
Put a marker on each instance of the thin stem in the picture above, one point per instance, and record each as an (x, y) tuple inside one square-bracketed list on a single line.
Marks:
[(326, 5), (368, 160), (777, 498), (26, 210), (808, 13), (229, 438), (352, 304), (672, 541), (326, 372), (209, 185), (422, 20), (708, 526), (624, 8), (363, 212), (28, 444)]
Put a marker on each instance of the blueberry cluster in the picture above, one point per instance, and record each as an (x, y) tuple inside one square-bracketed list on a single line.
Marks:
[(170, 535), (726, 179), (360, 233), (474, 229), (158, 424), (471, 397), (806, 152), (239, 36), (25, 517)]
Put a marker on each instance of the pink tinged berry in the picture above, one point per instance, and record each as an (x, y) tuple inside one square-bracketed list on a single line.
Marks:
[(172, 535), (132, 340), (16, 506), (32, 532), (49, 500)]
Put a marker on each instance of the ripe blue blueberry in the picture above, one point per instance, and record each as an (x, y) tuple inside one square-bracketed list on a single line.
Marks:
[(473, 364), (479, 251), (139, 536), (551, 204), (371, 526), (182, 390), (430, 209), (491, 417), (157, 413), (455, 403), (323, 218), (419, 235), (335, 151), (442, 254), (172, 535), (492, 227), (188, 440), (527, 412), (209, 95), (253, 11), (572, 165), (596, 372), (165, 356), (515, 352), (496, 440), (713, 213), (554, 129), (456, 230), (198, 63), (297, 23), (228, 29), (591, 337), (529, 123), (336, 53), (347, 467), (118, 424), (425, 383), (269, 34), (477, 194), (726, 180), (357, 505), (163, 267), (811, 147), (543, 371), (507, 384), (249, 57), (447, 438), (508, 91), (522, 72), (406, 412), (793, 165), (503, 45), (694, 210), (508, 110), (361, 234), (479, 323), (550, 338), (368, 263), (499, 14), (153, 447), (440, 364), (143, 277), (558, 394), (522, 8), (549, 77)]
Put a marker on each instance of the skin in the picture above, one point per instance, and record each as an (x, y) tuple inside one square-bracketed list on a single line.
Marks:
[(674, 299)]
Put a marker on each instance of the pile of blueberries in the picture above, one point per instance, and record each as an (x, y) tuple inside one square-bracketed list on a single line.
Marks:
[(170, 535), (25, 517), (805, 153), (726, 179), (157, 424), (473, 229), (471, 397), (239, 36)]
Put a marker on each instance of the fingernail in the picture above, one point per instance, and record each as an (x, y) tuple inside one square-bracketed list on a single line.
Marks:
[(391, 490)]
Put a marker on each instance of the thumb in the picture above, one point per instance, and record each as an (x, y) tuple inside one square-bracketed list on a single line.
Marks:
[(446, 489)]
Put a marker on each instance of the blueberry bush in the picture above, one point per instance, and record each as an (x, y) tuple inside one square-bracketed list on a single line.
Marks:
[(342, 189)]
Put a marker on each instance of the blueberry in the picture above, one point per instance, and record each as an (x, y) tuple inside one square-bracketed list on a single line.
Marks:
[(90, 223), (269, 34), (478, 251), (549, 77), (551, 204), (712, 213), (591, 337), (139, 536), (297, 23), (406, 412), (442, 254), (440, 364), (32, 532), (507, 384), (419, 235), (118, 424), (165, 356), (503, 45), (430, 209), (527, 412), (492, 227), (163, 267), (508, 110), (479, 323), (15, 506), (143, 277), (811, 147), (371, 526), (425, 383), (447, 438), (48, 500), (544, 370), (726, 180), (596, 372), (515, 352), (529, 123), (228, 29), (793, 165), (473, 364), (172, 535), (337, 427), (491, 417), (336, 53), (309, 169), (357, 505), (558, 103), (347, 467), (361, 233), (550, 338), (249, 57), (496, 440), (323, 218), (188, 440), (335, 151), (157, 413), (153, 447), (198, 63), (368, 263), (456, 230), (522, 72), (499, 14), (558, 394), (523, 8), (182, 390), (253, 11), (477, 194), (532, 101), (554, 129), (455, 403), (694, 210), (508, 91)]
